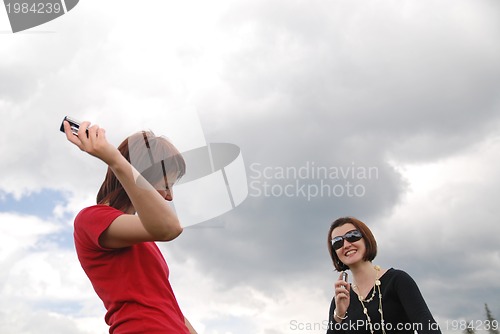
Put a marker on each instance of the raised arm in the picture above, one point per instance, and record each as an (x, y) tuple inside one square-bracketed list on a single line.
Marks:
[(189, 326), (155, 219)]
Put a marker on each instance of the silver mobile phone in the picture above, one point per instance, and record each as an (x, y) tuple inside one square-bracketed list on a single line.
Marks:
[(74, 124), (344, 276)]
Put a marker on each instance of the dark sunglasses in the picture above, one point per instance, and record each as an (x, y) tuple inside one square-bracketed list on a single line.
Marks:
[(351, 236)]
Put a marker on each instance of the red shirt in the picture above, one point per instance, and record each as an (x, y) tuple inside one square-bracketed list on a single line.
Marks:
[(132, 282)]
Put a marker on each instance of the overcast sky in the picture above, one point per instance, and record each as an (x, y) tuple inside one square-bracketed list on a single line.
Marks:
[(396, 100)]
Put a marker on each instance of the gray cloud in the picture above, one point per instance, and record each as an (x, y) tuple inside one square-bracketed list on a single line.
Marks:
[(333, 84), (415, 89)]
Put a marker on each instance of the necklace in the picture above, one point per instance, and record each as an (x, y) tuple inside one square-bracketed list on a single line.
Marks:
[(376, 287)]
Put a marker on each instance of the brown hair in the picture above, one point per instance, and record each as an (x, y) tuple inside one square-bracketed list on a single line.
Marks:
[(370, 242), (153, 156)]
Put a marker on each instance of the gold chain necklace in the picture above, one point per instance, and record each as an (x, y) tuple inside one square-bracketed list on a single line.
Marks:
[(363, 301)]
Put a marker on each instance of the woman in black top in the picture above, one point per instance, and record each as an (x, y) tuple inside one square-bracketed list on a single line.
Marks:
[(379, 300)]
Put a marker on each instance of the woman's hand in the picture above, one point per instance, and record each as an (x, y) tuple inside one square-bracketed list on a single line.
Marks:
[(93, 141), (342, 298)]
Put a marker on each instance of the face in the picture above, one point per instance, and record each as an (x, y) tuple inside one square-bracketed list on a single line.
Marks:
[(351, 252)]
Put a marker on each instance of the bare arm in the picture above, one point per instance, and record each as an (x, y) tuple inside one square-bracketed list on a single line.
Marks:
[(155, 220), (188, 325)]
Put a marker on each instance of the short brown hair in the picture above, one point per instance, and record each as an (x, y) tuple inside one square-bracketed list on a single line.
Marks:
[(171, 162), (370, 242)]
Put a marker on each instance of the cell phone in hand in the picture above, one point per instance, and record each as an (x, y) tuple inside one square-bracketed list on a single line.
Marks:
[(73, 123), (344, 276)]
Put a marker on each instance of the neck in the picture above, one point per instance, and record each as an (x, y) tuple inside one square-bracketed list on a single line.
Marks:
[(130, 210), (363, 273)]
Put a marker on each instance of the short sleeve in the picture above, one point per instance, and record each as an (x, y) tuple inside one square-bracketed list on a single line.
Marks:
[(91, 222)]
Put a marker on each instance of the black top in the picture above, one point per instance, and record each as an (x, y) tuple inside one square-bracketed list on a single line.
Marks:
[(403, 306)]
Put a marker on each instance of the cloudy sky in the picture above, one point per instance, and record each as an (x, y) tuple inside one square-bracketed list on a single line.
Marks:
[(384, 110)]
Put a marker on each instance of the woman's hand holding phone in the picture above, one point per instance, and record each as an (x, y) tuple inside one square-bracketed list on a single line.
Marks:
[(91, 139), (342, 297)]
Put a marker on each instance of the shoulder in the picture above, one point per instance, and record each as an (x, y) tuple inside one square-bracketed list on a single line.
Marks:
[(401, 274), (99, 208), (98, 211), (96, 217), (91, 222), (399, 278), (396, 275)]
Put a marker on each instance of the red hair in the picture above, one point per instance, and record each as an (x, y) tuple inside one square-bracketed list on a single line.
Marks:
[(154, 157)]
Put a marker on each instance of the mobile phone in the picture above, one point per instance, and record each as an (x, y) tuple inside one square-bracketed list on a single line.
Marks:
[(74, 124), (344, 276)]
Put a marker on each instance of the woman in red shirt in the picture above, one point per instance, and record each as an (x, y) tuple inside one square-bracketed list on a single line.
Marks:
[(115, 239)]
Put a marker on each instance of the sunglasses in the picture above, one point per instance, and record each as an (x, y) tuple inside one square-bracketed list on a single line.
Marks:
[(351, 236)]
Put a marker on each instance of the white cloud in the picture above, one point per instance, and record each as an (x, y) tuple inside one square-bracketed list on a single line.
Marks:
[(450, 196), (447, 224), (42, 282), (243, 309), (19, 233)]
